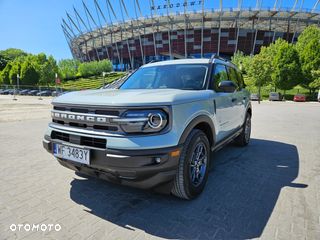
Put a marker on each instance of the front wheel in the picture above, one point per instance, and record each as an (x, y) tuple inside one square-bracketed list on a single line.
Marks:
[(244, 138), (193, 167)]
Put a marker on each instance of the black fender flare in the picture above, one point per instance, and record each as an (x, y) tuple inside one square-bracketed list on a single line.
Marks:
[(197, 120), (249, 108)]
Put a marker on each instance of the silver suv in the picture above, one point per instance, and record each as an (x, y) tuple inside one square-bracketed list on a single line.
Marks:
[(158, 129)]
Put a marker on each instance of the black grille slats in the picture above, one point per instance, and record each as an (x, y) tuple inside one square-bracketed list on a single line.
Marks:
[(60, 136), (93, 142), (108, 112), (80, 140), (79, 110)]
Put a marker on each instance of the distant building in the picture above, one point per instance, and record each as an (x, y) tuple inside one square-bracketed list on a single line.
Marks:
[(166, 33)]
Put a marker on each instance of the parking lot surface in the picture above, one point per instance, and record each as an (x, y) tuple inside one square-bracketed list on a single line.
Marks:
[(268, 190)]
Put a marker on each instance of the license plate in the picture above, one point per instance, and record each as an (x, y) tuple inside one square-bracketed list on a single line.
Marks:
[(75, 154)]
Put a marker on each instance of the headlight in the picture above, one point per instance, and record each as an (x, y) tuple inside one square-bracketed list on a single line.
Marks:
[(143, 121)]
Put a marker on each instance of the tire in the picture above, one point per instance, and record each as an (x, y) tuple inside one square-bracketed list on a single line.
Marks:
[(244, 138), (192, 174)]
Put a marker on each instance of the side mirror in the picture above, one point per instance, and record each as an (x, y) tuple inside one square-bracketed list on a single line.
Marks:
[(227, 86)]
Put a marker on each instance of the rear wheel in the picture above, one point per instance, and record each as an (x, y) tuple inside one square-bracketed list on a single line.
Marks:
[(193, 167), (244, 138)]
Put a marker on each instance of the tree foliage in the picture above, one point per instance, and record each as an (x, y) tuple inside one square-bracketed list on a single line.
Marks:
[(260, 68), (287, 67), (242, 61), (29, 74), (47, 71), (68, 68), (87, 69), (3, 62), (15, 69), (4, 74), (277, 65), (308, 47), (11, 54), (315, 84)]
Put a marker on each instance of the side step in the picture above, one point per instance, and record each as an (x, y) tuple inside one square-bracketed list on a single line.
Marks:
[(225, 141)]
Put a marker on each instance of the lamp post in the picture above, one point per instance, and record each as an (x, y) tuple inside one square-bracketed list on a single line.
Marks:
[(18, 81), (56, 79), (15, 88), (104, 78)]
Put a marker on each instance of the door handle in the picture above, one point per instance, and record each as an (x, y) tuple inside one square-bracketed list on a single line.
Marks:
[(234, 99)]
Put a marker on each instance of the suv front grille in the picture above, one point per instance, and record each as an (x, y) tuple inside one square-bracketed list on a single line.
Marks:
[(80, 140), (91, 112)]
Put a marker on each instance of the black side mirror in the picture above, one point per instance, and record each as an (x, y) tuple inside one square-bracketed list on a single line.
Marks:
[(227, 86)]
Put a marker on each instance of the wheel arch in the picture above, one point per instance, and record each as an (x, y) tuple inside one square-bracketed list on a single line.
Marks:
[(249, 109), (203, 123)]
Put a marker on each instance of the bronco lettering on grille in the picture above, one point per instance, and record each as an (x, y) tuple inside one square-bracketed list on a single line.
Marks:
[(79, 117)]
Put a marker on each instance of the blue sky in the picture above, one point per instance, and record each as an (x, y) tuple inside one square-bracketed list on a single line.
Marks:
[(34, 25)]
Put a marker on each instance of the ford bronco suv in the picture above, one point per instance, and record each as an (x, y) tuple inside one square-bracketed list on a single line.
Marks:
[(158, 129)]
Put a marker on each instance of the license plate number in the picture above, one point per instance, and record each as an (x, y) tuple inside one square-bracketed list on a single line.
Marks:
[(71, 153)]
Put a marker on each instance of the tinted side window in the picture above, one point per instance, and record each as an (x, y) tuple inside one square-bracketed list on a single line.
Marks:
[(240, 80), (220, 74), (233, 76)]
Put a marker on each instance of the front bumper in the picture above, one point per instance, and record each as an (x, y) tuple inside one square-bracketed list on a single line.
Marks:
[(136, 168)]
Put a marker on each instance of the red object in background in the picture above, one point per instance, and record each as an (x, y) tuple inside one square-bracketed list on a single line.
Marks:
[(58, 81), (299, 98)]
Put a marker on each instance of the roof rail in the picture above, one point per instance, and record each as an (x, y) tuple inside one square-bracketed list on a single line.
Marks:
[(153, 61), (216, 56)]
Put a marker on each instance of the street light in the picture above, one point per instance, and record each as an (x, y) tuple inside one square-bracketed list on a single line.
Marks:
[(14, 88), (104, 78), (18, 80), (56, 79)]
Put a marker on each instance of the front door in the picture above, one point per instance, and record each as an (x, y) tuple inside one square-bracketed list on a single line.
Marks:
[(226, 112)]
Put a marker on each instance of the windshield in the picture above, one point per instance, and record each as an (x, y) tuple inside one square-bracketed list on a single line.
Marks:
[(179, 76)]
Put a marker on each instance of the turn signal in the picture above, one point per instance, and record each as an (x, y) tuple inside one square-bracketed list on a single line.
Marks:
[(175, 153)]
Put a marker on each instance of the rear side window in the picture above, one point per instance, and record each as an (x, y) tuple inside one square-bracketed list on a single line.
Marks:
[(220, 74), (240, 80), (233, 76)]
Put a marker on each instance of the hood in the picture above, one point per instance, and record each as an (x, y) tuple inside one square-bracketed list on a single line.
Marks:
[(137, 97)]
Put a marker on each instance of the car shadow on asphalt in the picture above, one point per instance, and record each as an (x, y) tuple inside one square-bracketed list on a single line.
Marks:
[(240, 195)]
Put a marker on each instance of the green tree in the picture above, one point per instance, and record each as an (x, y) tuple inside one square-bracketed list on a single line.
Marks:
[(47, 71), (15, 69), (29, 75), (3, 62), (241, 61), (308, 47), (315, 84), (4, 74), (286, 73), (12, 53), (87, 69), (68, 68), (259, 70)]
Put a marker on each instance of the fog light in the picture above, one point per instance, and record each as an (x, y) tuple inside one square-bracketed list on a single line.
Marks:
[(158, 160)]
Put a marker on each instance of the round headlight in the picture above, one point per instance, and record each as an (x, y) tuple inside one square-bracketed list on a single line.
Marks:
[(155, 120), (143, 121)]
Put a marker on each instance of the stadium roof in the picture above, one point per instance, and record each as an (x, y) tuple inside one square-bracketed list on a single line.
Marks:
[(97, 28)]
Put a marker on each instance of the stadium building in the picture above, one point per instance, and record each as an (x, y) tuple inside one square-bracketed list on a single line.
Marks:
[(134, 34)]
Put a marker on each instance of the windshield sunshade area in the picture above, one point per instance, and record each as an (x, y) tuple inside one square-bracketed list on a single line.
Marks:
[(178, 76)]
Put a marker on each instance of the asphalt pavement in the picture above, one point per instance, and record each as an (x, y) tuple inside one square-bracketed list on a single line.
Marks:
[(269, 189)]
